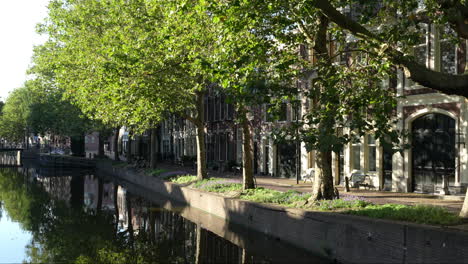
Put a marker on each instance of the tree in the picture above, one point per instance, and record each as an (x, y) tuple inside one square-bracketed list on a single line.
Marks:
[(118, 69), (15, 119), (346, 101), (389, 29)]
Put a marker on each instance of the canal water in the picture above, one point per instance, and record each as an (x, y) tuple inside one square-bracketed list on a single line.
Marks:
[(51, 216)]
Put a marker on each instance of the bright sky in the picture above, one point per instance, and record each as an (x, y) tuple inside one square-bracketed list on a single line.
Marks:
[(18, 19), (13, 239)]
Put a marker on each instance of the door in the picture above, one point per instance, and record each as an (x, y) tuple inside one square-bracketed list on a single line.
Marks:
[(433, 152), (267, 160), (255, 161), (287, 160), (387, 168)]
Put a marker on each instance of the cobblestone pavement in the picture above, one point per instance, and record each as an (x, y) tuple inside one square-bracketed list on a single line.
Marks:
[(451, 202)]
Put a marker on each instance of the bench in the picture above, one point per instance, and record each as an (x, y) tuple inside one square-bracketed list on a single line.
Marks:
[(359, 179), (236, 169), (309, 176)]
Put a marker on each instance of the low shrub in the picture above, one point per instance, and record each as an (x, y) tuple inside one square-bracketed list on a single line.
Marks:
[(422, 214), (223, 187), (201, 184), (346, 202), (262, 195), (119, 164), (219, 185), (156, 172), (182, 179)]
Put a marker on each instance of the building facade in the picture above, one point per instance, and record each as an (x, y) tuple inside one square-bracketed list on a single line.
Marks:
[(437, 125)]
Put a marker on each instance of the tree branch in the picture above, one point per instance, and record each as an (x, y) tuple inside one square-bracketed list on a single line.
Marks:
[(446, 83)]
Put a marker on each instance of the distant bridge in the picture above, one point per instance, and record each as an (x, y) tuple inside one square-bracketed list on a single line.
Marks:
[(11, 157)]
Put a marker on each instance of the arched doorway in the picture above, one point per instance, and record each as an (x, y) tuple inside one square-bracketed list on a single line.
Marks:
[(433, 152)]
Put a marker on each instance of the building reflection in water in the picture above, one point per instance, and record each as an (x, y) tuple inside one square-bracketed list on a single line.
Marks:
[(82, 216), (189, 235)]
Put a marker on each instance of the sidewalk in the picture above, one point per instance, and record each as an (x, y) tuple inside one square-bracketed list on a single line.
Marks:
[(453, 203)]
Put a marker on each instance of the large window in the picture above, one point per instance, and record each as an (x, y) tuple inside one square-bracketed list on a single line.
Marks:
[(216, 108), (283, 114), (356, 155), (222, 147), (372, 151), (222, 108), (447, 52), (421, 50), (229, 111), (211, 109)]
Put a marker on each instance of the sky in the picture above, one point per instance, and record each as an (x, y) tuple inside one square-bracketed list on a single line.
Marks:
[(13, 240), (18, 19)]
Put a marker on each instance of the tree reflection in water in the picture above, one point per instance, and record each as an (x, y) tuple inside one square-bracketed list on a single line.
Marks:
[(83, 219)]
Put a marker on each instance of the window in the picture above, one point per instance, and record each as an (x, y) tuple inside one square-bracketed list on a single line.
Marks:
[(296, 111), (269, 116), (356, 155), (229, 111), (283, 115), (372, 153), (239, 137), (215, 146), (222, 147), (303, 52), (222, 107), (421, 50), (231, 145), (448, 52), (211, 109), (205, 109), (216, 108)]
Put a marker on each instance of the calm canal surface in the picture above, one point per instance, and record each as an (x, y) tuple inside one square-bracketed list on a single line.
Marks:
[(50, 216)]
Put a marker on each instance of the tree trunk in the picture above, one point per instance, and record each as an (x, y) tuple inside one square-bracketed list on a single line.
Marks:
[(201, 152), (100, 193), (116, 207), (77, 192), (100, 146), (153, 142), (116, 145), (152, 225), (323, 182), (129, 219), (129, 149), (199, 251), (247, 155), (26, 141), (137, 146), (464, 210), (244, 257), (200, 126)]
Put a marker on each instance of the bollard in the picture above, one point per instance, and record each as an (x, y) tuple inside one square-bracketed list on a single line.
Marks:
[(346, 184)]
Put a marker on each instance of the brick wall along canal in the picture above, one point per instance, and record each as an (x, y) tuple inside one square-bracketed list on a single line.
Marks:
[(74, 216)]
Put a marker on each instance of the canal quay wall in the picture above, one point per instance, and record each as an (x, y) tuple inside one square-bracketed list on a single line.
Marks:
[(60, 161), (344, 238)]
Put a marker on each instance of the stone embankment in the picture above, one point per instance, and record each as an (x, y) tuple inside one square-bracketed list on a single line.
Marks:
[(62, 161), (344, 238)]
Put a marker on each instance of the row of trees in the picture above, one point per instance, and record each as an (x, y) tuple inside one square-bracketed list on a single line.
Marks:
[(29, 110), (132, 62)]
